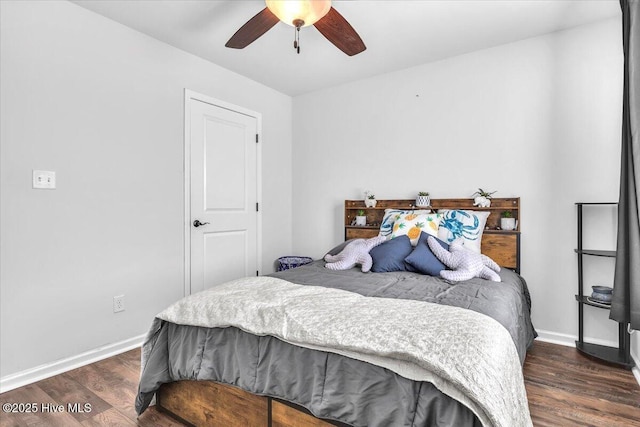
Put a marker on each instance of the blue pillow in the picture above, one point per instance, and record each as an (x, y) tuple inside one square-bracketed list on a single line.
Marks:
[(390, 255), (423, 260)]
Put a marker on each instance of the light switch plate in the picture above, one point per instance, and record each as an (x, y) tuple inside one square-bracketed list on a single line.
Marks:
[(44, 180)]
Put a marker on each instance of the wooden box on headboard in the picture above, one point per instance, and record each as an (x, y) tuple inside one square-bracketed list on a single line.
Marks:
[(500, 245)]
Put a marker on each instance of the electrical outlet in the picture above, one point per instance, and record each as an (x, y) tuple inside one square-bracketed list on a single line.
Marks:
[(44, 180), (118, 303)]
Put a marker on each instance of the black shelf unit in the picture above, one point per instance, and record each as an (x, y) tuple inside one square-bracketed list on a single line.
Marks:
[(620, 355)]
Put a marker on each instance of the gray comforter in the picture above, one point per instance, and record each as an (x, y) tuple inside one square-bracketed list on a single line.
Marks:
[(329, 385), (507, 301)]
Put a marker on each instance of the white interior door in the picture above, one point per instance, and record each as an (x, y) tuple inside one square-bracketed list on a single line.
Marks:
[(223, 192)]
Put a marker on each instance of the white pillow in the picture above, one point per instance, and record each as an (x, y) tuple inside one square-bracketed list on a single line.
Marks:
[(468, 225), (412, 225), (390, 216)]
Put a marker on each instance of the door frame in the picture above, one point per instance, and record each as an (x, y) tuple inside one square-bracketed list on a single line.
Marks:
[(190, 96)]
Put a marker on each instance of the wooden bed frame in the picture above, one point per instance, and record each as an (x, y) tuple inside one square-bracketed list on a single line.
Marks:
[(207, 403)]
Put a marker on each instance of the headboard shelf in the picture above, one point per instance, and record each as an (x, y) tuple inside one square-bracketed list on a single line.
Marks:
[(501, 245)]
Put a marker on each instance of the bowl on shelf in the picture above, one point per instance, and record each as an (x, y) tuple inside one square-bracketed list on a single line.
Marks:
[(602, 293)]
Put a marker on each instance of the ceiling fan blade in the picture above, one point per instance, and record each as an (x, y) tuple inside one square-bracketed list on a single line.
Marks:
[(252, 29), (339, 32)]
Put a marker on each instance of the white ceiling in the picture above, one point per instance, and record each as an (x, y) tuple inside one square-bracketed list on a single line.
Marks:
[(398, 34)]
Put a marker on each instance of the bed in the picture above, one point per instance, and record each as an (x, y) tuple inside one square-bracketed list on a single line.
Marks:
[(312, 346)]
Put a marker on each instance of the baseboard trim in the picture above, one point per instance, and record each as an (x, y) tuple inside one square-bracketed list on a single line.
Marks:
[(47, 370), (570, 341), (556, 338)]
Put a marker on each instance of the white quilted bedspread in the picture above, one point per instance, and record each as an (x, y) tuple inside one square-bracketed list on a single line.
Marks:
[(466, 355)]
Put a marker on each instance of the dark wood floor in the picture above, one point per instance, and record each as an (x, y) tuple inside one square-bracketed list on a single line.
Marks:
[(564, 389)]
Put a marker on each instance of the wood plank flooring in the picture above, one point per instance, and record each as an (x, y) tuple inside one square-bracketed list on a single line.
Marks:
[(564, 387)]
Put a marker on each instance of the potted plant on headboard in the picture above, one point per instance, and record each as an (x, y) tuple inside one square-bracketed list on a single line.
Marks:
[(423, 200), (361, 218), (482, 198), (507, 221), (370, 199)]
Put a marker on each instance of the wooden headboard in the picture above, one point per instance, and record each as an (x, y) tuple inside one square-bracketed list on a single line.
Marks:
[(502, 246)]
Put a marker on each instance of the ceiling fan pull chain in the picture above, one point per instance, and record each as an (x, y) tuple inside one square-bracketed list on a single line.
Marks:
[(296, 41), (295, 38)]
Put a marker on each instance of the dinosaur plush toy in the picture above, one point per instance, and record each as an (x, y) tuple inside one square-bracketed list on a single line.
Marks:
[(463, 263), (355, 252)]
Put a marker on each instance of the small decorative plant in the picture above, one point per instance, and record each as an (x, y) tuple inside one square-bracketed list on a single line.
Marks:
[(485, 194), (423, 199), (361, 219), (482, 198), (370, 199), (508, 222), (360, 212)]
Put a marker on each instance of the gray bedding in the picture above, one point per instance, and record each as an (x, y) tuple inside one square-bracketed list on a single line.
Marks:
[(507, 301), (332, 386)]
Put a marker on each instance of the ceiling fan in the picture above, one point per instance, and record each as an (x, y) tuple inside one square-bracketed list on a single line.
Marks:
[(298, 14)]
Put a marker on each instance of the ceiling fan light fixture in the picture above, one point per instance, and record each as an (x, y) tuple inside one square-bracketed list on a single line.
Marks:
[(291, 12), (300, 13)]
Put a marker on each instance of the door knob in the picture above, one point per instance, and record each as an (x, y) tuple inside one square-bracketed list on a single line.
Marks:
[(197, 223)]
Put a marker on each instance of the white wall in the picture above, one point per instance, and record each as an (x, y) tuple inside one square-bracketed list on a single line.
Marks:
[(102, 105), (539, 119)]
